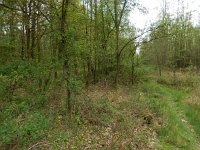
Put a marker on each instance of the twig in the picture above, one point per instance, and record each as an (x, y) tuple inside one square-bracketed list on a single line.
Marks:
[(40, 144)]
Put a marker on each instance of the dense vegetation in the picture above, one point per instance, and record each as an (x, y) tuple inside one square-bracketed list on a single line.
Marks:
[(75, 74)]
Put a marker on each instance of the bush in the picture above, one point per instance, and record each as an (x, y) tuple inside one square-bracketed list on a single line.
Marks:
[(8, 132), (141, 73), (33, 128), (23, 130), (4, 87)]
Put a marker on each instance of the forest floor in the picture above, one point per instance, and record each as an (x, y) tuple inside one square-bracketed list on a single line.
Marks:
[(160, 113), (157, 113)]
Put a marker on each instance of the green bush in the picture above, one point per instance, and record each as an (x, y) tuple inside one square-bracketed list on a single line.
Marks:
[(24, 129), (141, 73), (33, 128), (8, 132), (4, 88)]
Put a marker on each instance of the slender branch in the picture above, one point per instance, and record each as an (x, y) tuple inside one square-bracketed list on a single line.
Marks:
[(109, 10), (45, 16), (157, 38), (133, 39), (11, 8), (20, 5), (122, 12), (40, 144)]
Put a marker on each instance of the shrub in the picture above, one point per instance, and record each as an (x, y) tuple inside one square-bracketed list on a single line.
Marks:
[(33, 128), (141, 73), (23, 130)]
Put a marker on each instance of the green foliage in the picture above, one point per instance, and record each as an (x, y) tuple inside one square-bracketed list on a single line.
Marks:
[(22, 122), (8, 132), (4, 88), (6, 50), (33, 128), (91, 39), (24, 129), (141, 73), (75, 84)]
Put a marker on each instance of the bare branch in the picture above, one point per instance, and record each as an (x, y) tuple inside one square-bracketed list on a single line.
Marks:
[(133, 39), (11, 8), (40, 144), (122, 12), (109, 10)]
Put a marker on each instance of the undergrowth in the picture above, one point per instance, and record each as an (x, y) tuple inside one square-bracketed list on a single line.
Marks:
[(154, 114)]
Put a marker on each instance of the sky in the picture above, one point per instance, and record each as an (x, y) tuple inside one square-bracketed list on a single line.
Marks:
[(154, 8)]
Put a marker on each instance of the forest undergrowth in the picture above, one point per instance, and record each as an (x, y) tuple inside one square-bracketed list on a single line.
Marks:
[(155, 113)]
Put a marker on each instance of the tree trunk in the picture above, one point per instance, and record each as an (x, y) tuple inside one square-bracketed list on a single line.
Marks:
[(22, 43), (96, 41), (132, 70), (38, 42), (117, 56), (116, 42), (28, 13), (33, 26), (63, 55)]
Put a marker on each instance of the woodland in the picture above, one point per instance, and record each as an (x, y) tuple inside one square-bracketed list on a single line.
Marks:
[(76, 74)]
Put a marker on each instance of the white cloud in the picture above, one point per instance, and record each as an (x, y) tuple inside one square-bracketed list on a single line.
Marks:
[(155, 8)]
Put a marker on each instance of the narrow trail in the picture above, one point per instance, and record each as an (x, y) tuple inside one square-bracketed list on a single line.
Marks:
[(187, 124), (179, 128), (184, 119)]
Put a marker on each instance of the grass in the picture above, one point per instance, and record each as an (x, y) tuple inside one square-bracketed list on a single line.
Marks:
[(168, 102), (192, 113)]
